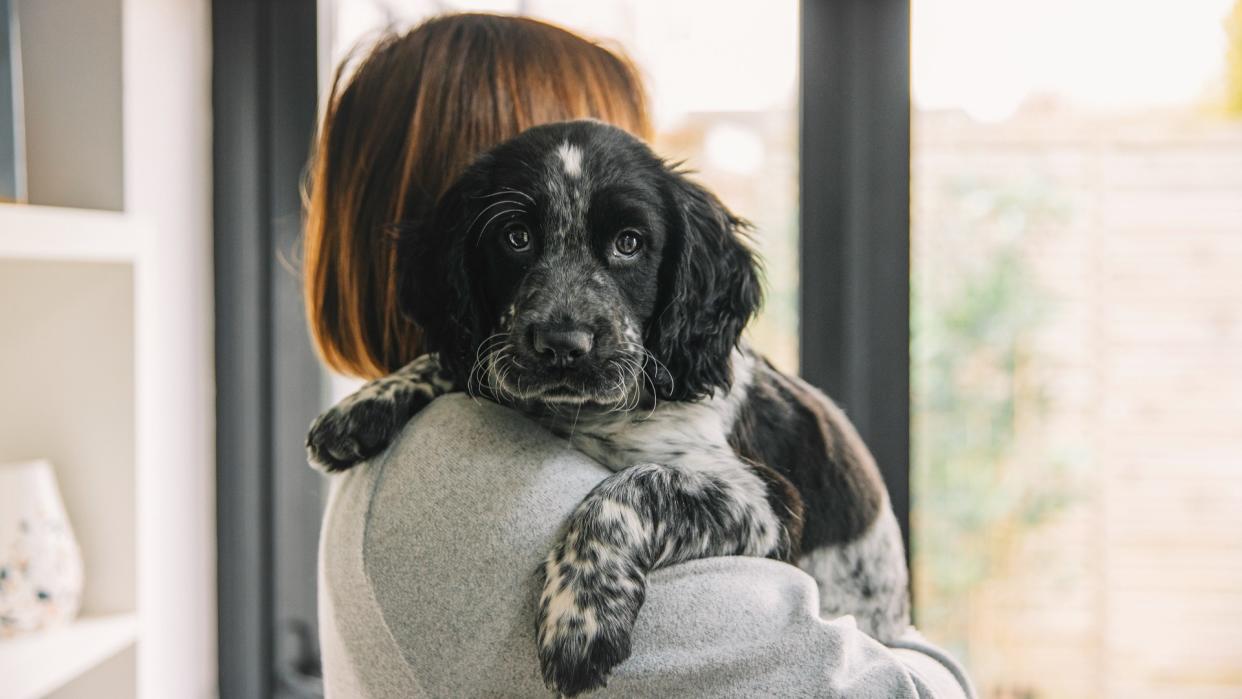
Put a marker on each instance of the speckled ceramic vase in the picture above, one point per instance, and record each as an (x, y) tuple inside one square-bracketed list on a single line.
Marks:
[(40, 562)]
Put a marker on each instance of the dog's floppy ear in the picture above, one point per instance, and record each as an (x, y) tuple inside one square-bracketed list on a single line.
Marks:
[(434, 280), (709, 284)]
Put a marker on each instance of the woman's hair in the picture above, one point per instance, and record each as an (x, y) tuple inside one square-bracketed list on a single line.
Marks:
[(399, 128)]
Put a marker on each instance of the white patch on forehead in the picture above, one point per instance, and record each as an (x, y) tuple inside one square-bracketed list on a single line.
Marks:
[(571, 158)]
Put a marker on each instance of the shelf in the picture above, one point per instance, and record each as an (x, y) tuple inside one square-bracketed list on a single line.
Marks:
[(36, 664), (71, 235)]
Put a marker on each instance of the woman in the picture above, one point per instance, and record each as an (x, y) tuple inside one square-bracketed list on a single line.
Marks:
[(427, 552)]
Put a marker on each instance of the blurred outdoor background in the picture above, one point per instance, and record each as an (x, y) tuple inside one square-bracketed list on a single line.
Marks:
[(1076, 312), (1077, 344)]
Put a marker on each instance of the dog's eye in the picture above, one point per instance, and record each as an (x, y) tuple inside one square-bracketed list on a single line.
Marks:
[(518, 238), (628, 242)]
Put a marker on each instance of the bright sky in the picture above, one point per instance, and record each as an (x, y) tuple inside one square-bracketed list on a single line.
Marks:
[(984, 56)]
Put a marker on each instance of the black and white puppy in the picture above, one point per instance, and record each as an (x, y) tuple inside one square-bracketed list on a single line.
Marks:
[(573, 275)]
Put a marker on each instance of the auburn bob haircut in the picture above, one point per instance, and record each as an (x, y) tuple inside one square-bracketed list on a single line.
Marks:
[(398, 129)]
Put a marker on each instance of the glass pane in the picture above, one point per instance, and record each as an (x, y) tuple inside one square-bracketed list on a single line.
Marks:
[(1077, 344), (725, 106)]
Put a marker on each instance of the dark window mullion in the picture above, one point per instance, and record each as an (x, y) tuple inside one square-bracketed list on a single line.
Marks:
[(268, 380), (855, 221)]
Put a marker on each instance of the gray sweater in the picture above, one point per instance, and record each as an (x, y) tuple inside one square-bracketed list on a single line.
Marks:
[(426, 562)]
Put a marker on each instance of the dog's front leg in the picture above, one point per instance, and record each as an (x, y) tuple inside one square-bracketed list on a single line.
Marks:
[(364, 423), (638, 520)]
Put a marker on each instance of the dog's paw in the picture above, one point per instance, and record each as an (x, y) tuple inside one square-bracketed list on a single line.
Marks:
[(580, 662), (347, 435), (364, 424), (586, 617)]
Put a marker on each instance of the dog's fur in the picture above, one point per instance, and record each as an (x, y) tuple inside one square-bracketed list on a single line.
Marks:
[(573, 275)]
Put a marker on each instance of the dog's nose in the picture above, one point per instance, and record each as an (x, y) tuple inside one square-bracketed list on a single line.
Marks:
[(562, 347)]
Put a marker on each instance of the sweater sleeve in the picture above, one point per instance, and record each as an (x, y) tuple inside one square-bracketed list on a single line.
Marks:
[(750, 627), (426, 566)]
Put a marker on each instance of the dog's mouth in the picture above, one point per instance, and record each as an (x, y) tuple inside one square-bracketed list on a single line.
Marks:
[(564, 394), (613, 383)]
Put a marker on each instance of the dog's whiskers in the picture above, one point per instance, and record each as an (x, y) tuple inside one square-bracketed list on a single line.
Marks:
[(648, 358), (500, 365), (482, 356), (626, 393), (520, 207), (629, 379), (483, 230), (500, 192)]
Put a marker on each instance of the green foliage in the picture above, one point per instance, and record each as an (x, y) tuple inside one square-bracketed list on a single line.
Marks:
[(976, 307)]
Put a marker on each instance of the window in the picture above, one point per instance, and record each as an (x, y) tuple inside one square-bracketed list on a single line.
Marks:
[(727, 108), (1077, 344)]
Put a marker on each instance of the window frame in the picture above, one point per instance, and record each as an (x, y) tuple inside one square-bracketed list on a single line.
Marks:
[(268, 380), (854, 256)]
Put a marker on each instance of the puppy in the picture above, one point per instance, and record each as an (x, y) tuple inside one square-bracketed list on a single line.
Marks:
[(573, 275)]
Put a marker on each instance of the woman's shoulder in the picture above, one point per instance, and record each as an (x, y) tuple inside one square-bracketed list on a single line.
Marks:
[(442, 533), (458, 441), (456, 421), (463, 465)]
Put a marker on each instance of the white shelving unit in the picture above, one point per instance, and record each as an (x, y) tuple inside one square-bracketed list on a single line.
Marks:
[(105, 341), (37, 665), (67, 370), (54, 233)]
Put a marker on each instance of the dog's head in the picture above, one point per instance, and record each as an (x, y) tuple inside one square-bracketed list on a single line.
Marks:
[(570, 265)]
